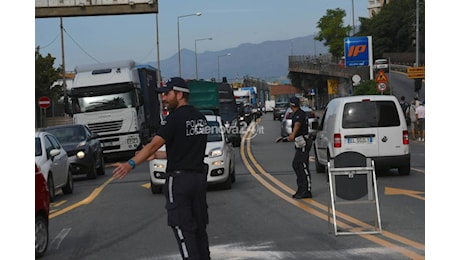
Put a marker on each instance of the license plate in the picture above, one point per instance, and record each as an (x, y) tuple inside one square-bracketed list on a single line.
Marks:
[(360, 140), (107, 144)]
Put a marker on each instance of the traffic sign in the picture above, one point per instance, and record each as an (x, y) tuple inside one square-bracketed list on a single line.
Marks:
[(381, 77), (416, 73), (44, 102), (381, 87)]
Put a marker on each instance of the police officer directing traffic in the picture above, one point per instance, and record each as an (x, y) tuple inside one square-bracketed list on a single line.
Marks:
[(185, 136), (303, 143)]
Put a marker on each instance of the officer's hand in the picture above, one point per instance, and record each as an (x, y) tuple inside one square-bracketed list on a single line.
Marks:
[(121, 170)]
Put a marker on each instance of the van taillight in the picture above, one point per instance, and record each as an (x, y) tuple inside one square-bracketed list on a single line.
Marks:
[(405, 136), (337, 141)]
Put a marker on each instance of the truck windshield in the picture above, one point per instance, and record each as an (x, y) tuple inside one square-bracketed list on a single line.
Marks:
[(103, 102)]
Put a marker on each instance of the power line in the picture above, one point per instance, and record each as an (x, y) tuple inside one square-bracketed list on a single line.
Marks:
[(81, 48), (43, 47)]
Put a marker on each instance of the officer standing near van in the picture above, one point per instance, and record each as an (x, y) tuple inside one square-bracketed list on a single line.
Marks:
[(303, 143), (185, 136)]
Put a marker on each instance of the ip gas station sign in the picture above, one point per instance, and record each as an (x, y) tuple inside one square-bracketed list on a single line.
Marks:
[(358, 51)]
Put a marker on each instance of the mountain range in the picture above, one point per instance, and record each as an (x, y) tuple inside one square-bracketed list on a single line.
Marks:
[(266, 61)]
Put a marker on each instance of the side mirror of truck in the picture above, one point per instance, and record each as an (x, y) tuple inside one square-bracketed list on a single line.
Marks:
[(67, 108)]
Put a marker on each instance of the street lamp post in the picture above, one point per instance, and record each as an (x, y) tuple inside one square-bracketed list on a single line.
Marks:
[(196, 58), (178, 38), (218, 64)]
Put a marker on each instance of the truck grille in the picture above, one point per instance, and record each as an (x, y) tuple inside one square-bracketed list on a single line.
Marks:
[(110, 126)]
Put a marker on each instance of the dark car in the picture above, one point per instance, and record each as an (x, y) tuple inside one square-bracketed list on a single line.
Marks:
[(42, 210), (83, 148), (279, 110)]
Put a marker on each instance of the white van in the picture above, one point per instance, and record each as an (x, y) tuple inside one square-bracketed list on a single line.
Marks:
[(372, 125)]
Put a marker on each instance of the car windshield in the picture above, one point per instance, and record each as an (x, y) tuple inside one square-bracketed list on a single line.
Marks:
[(68, 134), (282, 105), (214, 134)]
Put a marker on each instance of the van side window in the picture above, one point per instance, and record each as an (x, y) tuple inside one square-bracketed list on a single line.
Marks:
[(370, 114)]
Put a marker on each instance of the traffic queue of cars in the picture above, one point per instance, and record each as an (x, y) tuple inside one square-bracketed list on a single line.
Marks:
[(64, 151), (61, 152)]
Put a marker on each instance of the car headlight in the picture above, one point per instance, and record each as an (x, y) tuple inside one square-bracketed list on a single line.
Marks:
[(159, 166), (216, 152), (80, 155)]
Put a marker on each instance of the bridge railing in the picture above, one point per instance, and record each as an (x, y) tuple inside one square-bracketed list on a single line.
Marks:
[(305, 64)]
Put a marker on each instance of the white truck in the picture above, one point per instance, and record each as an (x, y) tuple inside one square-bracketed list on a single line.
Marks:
[(242, 97), (117, 101)]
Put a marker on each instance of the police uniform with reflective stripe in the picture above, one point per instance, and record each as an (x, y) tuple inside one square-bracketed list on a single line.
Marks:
[(186, 180), (300, 161)]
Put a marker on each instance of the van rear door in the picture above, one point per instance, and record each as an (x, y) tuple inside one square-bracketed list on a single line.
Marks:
[(358, 128), (391, 126)]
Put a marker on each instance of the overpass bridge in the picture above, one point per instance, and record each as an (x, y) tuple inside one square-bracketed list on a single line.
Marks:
[(313, 76)]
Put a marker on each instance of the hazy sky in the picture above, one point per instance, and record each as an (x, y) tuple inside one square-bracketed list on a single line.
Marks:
[(229, 23)]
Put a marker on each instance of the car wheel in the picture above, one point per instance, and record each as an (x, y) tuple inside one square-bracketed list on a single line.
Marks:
[(319, 167), (405, 170), (92, 173), (68, 188), (101, 169), (51, 187), (41, 236), (227, 185), (155, 188)]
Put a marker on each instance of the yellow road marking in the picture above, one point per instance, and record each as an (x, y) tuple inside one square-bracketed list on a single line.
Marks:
[(410, 193), (301, 204), (85, 201)]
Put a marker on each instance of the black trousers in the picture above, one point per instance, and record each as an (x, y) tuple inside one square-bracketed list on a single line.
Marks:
[(188, 213), (301, 168)]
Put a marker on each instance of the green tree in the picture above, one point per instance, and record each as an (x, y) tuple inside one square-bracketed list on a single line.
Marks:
[(368, 87), (332, 31), (45, 76), (393, 28)]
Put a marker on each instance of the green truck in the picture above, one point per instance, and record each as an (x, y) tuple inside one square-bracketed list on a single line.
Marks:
[(217, 98)]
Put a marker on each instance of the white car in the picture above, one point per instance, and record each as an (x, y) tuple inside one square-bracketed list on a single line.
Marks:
[(219, 159), (381, 64), (286, 122), (53, 162)]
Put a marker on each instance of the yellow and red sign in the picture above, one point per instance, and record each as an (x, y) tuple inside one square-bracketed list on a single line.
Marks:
[(416, 73), (381, 77)]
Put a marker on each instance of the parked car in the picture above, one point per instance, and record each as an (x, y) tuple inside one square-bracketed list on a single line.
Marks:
[(219, 159), (373, 125), (83, 148), (286, 122), (53, 162), (279, 110), (42, 210)]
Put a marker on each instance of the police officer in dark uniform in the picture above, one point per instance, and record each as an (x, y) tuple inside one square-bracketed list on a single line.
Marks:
[(185, 135), (303, 143)]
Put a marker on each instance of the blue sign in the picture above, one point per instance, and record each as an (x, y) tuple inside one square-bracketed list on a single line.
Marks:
[(357, 50)]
